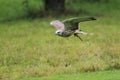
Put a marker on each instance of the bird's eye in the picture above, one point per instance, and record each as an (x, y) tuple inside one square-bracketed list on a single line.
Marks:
[(58, 32)]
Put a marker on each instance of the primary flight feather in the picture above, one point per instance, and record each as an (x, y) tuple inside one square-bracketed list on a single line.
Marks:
[(69, 27)]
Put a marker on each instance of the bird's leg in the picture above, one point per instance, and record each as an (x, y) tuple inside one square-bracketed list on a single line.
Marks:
[(78, 36)]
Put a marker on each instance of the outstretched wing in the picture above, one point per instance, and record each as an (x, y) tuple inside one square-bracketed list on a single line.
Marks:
[(57, 24), (72, 23)]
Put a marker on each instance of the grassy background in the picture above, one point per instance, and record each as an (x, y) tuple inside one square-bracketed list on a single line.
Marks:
[(104, 75), (16, 9), (29, 48)]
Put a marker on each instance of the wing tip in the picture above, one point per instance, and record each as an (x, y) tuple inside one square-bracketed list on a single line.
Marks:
[(92, 18)]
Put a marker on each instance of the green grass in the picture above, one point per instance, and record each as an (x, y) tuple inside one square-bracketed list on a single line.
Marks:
[(15, 9), (104, 75), (30, 48)]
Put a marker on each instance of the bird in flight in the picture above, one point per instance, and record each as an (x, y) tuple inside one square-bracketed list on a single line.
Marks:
[(69, 27)]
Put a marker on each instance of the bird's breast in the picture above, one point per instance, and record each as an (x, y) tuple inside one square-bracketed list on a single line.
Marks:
[(67, 33)]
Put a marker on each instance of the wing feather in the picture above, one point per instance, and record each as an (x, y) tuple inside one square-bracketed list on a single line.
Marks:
[(72, 23), (58, 24)]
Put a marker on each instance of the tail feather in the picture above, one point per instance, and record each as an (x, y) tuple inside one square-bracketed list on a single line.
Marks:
[(80, 32)]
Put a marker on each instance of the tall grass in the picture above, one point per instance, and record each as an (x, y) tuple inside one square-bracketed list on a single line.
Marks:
[(30, 48)]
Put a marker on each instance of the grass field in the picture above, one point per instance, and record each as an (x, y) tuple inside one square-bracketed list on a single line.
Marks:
[(29, 50), (103, 75)]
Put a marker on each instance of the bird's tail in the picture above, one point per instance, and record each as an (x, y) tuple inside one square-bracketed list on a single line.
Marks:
[(84, 33), (80, 32)]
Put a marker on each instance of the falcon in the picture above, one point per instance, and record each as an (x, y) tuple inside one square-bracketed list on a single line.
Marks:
[(70, 26)]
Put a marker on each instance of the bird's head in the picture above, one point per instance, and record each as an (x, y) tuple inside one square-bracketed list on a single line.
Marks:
[(59, 32)]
